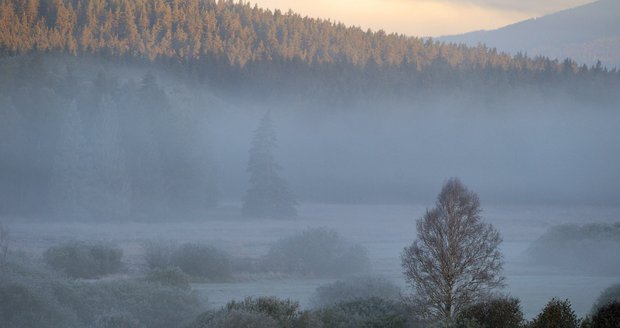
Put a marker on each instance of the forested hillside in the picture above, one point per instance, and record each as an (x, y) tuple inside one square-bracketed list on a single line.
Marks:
[(209, 34), (186, 30)]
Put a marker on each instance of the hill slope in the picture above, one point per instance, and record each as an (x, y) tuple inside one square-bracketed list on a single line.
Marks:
[(586, 34), (235, 33)]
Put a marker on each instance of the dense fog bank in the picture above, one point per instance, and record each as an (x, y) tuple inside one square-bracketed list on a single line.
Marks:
[(89, 139)]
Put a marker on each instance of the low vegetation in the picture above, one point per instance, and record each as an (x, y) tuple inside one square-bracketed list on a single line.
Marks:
[(316, 252), (84, 260), (609, 295), (579, 247), (170, 276), (358, 288), (503, 312), (35, 293), (371, 312), (608, 316), (556, 314), (202, 261), (257, 312), (195, 260), (31, 295)]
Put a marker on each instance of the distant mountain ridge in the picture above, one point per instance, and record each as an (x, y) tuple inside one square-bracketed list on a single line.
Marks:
[(585, 34)]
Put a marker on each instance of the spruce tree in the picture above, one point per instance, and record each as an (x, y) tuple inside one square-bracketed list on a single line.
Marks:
[(268, 195)]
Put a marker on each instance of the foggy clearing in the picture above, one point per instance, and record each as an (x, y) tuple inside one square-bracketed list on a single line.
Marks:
[(383, 229)]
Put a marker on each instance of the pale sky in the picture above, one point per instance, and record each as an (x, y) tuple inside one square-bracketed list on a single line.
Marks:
[(424, 17)]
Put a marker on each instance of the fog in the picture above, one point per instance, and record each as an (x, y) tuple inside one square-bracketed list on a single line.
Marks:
[(518, 152), (134, 171)]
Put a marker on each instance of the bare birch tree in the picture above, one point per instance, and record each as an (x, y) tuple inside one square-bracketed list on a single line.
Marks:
[(455, 260)]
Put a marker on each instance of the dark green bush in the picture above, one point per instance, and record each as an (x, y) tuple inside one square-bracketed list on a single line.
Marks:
[(372, 312), (153, 305), (234, 319), (354, 289), (158, 254), (196, 260), (82, 260), (318, 252), (607, 316), (493, 313), (282, 311), (556, 314), (28, 296), (258, 312), (24, 306), (33, 296), (170, 276), (610, 294), (117, 320), (202, 261), (579, 247)]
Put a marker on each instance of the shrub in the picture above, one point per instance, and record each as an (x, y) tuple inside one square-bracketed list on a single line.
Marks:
[(33, 296), (372, 312), (24, 306), (258, 312), (282, 311), (170, 276), (195, 260), (28, 297), (152, 305), (320, 252), (117, 320), (607, 316), (234, 319), (354, 289), (494, 313), (158, 254), (556, 314), (81, 260), (610, 294), (202, 261), (579, 247)]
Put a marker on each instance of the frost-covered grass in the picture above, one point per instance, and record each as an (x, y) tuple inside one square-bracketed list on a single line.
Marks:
[(384, 230)]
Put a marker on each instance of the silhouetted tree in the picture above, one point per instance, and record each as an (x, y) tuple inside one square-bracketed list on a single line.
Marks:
[(492, 313), (456, 259), (556, 314), (607, 316), (268, 195)]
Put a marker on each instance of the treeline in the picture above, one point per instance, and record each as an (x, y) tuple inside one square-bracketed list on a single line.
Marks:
[(192, 29), (91, 147), (251, 52), (199, 30)]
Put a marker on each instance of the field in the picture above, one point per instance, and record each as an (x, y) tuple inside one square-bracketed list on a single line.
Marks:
[(383, 229)]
